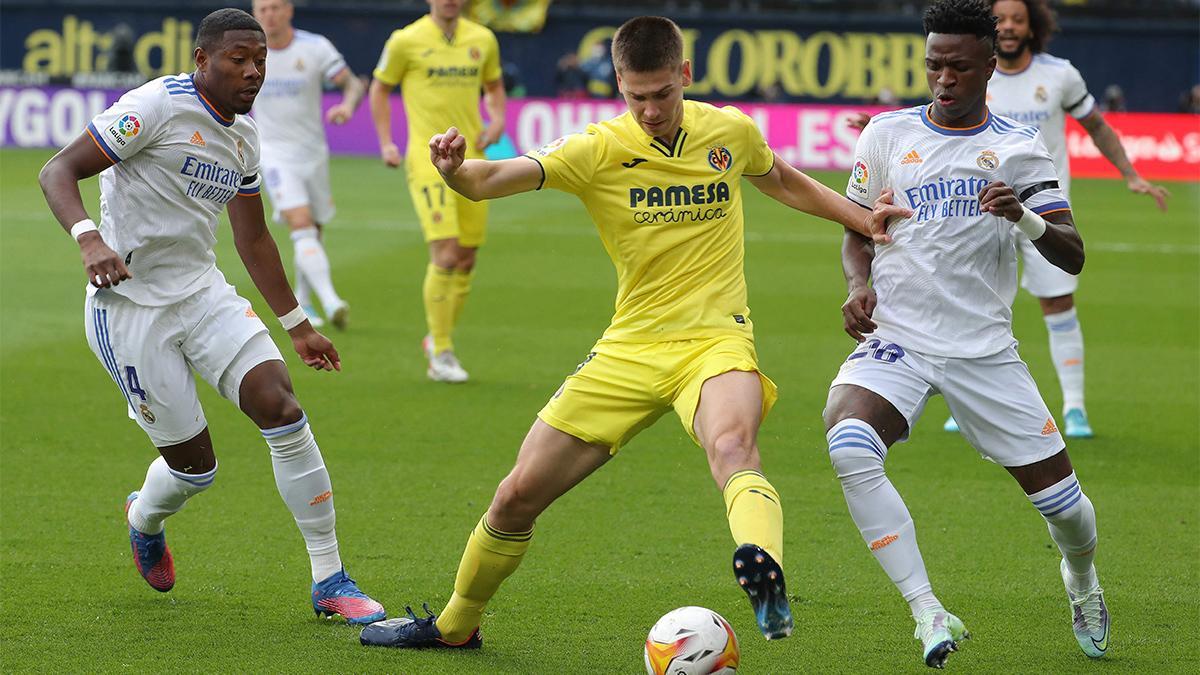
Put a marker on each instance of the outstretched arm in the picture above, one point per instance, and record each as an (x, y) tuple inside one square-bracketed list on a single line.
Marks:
[(478, 179), (59, 179), (1109, 145), (1053, 235), (261, 258), (789, 186)]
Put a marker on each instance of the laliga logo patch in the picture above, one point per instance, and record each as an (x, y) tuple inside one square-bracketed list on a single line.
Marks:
[(552, 146), (719, 158), (860, 173), (988, 161), (124, 129)]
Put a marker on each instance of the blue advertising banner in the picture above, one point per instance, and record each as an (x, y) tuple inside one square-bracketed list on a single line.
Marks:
[(776, 57)]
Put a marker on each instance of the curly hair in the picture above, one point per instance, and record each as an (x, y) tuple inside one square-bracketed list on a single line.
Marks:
[(1043, 23), (962, 17), (212, 29)]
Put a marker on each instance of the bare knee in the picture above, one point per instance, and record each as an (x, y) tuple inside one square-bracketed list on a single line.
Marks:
[(731, 452), (466, 260), (1057, 305), (267, 397), (513, 508)]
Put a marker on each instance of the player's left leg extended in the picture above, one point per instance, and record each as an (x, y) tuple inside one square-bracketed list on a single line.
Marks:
[(1004, 417), (258, 382), (313, 264), (549, 464), (1054, 490)]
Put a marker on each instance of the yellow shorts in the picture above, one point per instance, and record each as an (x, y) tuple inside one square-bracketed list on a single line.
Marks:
[(622, 388), (445, 214)]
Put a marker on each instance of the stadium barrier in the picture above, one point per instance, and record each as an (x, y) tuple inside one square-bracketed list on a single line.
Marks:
[(810, 136)]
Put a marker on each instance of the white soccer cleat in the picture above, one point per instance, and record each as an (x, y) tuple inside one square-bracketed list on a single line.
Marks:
[(314, 319), (939, 632), (340, 316), (1089, 616), (443, 366)]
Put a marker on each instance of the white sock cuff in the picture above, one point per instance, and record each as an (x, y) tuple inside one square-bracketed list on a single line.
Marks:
[(1058, 499), (278, 433), (1062, 322), (855, 434), (305, 233), (197, 480)]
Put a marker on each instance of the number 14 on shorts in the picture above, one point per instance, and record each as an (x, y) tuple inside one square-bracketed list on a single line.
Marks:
[(889, 353)]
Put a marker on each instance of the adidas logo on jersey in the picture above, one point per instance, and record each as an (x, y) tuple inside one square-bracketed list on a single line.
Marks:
[(911, 158), (1049, 428), (197, 139)]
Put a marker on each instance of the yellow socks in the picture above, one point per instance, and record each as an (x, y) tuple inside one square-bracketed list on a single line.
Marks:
[(439, 306), (755, 516), (460, 288), (490, 557)]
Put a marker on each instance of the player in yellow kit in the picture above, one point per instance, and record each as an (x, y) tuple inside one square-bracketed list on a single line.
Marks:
[(663, 184), (441, 62)]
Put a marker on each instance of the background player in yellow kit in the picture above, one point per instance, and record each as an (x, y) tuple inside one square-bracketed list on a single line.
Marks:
[(440, 62), (663, 184)]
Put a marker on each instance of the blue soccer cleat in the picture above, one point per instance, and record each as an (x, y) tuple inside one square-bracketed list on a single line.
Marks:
[(413, 632), (337, 594), (939, 632), (1076, 424), (761, 577), (951, 425), (151, 554)]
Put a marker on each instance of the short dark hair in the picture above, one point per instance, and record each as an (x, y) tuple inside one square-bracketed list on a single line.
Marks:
[(1042, 21), (212, 29), (961, 17), (647, 43)]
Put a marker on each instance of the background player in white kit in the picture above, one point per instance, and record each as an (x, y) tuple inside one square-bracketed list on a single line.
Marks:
[(1035, 88), (936, 318), (170, 155), (295, 157)]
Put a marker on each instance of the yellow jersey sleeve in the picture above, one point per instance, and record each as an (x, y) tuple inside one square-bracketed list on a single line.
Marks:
[(491, 62), (392, 62), (569, 163), (760, 159)]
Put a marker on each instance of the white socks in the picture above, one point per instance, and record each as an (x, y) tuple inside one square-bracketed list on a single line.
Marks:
[(1072, 522), (312, 263), (1066, 348), (164, 492), (304, 485), (882, 518)]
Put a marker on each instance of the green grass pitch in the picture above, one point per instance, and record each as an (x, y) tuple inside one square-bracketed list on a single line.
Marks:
[(414, 464)]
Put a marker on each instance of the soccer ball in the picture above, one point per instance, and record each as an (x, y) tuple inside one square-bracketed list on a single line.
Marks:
[(692, 641)]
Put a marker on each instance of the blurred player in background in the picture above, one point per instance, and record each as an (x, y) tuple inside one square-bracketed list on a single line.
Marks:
[(933, 312), (171, 154), (1037, 89), (441, 62), (663, 184), (295, 163)]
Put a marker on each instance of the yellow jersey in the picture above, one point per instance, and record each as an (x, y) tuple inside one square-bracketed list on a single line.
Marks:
[(440, 80), (670, 217)]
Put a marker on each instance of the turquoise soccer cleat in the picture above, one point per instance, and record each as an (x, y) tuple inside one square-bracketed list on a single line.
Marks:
[(939, 632), (951, 425), (761, 577), (1076, 424), (1089, 617)]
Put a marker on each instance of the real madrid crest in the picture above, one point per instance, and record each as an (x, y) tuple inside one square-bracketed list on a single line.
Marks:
[(1040, 94), (147, 414), (988, 160)]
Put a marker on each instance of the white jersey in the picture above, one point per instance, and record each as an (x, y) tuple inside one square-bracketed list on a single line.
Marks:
[(946, 282), (288, 108), (1039, 96), (176, 163)]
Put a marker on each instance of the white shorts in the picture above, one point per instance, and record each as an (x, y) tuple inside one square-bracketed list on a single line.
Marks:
[(1039, 276), (150, 353), (291, 186), (994, 398)]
